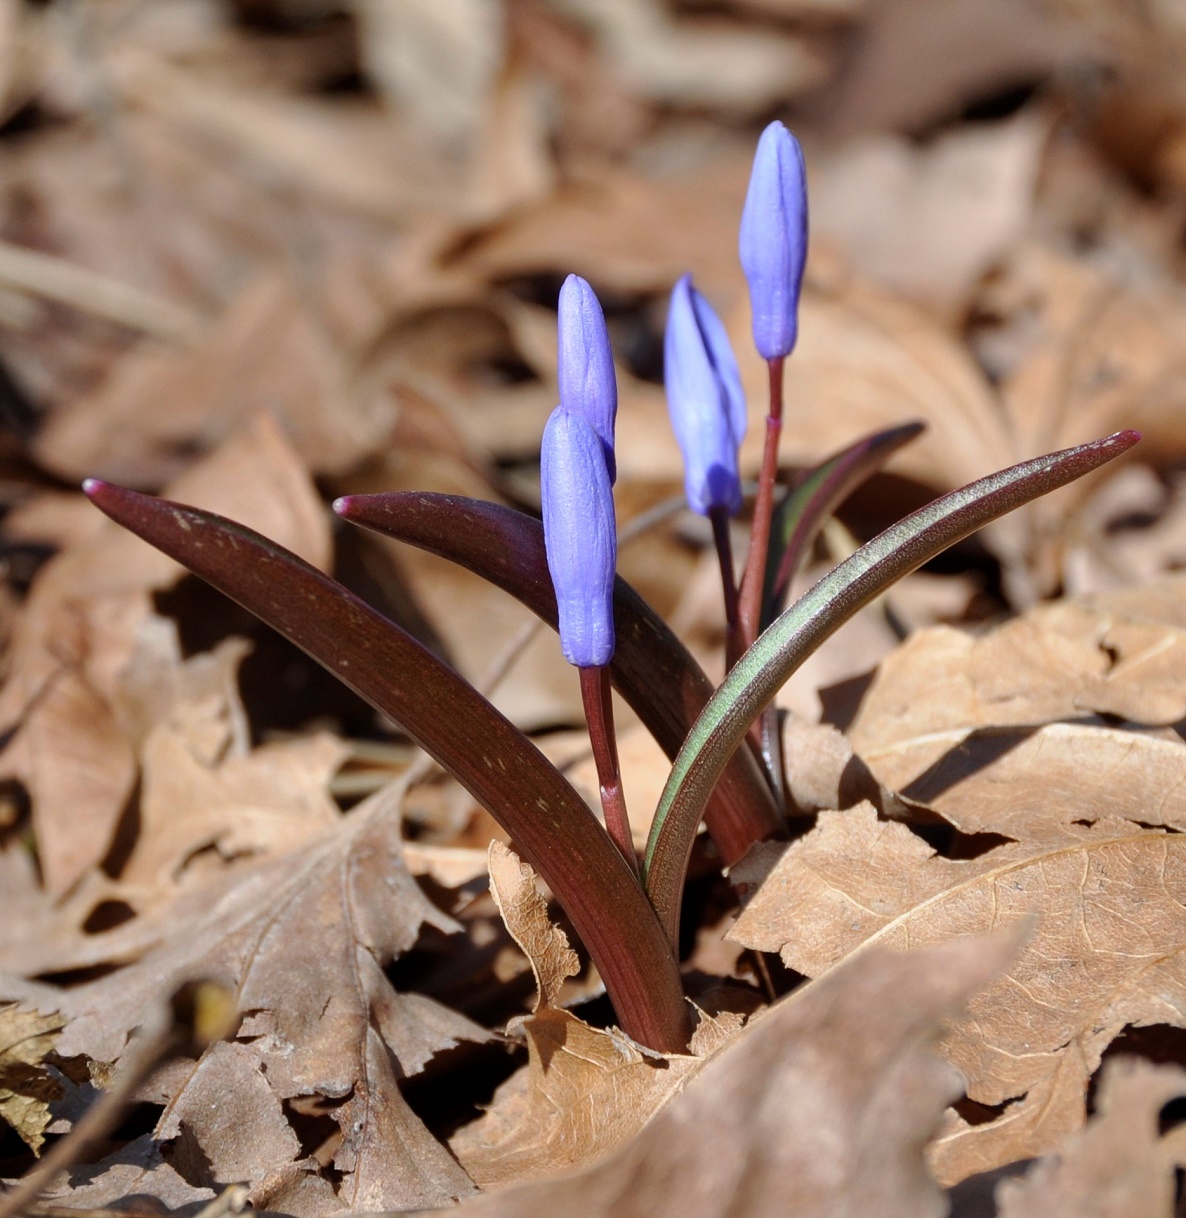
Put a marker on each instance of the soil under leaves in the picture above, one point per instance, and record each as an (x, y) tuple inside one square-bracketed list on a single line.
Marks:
[(258, 254)]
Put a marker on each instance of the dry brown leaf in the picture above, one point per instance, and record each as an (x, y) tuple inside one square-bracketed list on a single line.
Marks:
[(271, 348), (303, 938), (26, 1087), (821, 1107), (920, 61), (1120, 1166), (202, 785), (946, 212), (135, 1170), (867, 360), (1109, 949), (1021, 781), (1120, 654), (823, 771), (585, 1090), (350, 155), (690, 63), (1094, 352), (525, 913), (87, 618), (78, 766), (436, 59)]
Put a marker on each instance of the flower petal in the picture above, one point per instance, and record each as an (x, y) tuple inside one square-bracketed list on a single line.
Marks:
[(580, 534), (585, 363), (773, 241), (704, 399)]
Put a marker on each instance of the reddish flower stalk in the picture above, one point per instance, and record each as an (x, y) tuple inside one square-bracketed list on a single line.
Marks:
[(599, 715), (754, 579)]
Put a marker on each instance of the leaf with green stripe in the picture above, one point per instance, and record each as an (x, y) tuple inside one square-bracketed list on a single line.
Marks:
[(779, 651)]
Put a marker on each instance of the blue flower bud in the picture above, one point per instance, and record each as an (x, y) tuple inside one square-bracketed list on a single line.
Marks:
[(580, 535), (705, 400), (773, 242), (585, 364)]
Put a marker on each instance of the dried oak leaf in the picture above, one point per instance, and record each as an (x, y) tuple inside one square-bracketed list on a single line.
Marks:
[(303, 939), (1119, 1166), (821, 1106), (1109, 949), (1017, 781), (1119, 654), (585, 1090), (134, 1175), (26, 1087)]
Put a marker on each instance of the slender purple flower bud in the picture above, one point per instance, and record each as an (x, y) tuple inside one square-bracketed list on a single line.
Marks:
[(705, 400), (773, 242), (580, 535), (585, 364)]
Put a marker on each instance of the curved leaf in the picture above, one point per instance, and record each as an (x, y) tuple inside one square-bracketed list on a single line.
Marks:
[(489, 756), (651, 668), (759, 674)]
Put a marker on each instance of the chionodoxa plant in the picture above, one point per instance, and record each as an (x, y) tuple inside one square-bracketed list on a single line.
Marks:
[(727, 769)]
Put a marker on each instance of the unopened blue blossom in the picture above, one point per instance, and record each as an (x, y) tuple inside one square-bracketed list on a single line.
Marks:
[(585, 364), (773, 243), (705, 400), (580, 534)]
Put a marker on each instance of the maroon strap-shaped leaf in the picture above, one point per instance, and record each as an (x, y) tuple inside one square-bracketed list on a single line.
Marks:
[(551, 826), (651, 668)]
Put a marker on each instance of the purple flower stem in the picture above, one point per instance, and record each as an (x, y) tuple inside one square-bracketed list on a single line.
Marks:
[(599, 715), (750, 606), (720, 535)]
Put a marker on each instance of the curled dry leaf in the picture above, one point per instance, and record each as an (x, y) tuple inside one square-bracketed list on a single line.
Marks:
[(303, 938), (1109, 949), (26, 1087), (1120, 1166), (585, 1090), (822, 1106)]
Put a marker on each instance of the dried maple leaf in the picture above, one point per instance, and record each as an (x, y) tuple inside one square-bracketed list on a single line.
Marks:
[(585, 1090), (1120, 1166), (303, 938), (26, 1087), (821, 1107), (1109, 949)]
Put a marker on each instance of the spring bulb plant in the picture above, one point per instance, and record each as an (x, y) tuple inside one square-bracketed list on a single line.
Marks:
[(627, 915)]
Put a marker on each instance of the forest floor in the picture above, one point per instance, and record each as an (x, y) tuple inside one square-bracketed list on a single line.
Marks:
[(259, 254)]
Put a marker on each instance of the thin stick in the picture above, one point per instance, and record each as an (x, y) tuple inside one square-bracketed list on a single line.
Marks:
[(755, 565), (599, 714), (56, 279), (206, 1012)]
